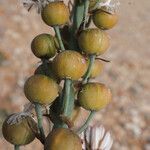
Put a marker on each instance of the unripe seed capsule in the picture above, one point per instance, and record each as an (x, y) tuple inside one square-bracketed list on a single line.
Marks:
[(46, 69), (41, 89), (94, 96), (62, 139), (19, 133), (44, 46), (104, 20), (55, 14), (69, 64), (93, 41)]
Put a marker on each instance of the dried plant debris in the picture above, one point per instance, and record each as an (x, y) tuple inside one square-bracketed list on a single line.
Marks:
[(96, 138), (109, 5), (38, 4)]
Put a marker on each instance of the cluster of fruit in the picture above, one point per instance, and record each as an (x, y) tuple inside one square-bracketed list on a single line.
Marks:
[(75, 67)]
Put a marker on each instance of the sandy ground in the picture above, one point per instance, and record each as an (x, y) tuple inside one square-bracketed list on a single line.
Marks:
[(128, 116)]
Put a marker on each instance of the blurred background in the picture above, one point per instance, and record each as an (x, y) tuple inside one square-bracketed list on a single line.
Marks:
[(128, 74)]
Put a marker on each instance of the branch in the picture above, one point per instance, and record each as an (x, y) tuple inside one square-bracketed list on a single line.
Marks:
[(85, 125), (39, 118), (88, 73), (57, 31), (66, 98), (16, 147)]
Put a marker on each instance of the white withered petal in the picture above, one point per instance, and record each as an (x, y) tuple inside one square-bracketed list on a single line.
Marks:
[(96, 138), (38, 4)]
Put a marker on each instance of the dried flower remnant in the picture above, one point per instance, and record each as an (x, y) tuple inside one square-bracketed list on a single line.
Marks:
[(96, 138), (17, 117), (110, 5), (38, 4)]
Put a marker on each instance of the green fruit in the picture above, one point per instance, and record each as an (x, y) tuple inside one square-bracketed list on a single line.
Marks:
[(62, 139), (46, 69), (44, 46), (104, 20), (93, 41), (20, 133), (94, 96), (55, 13), (69, 64), (41, 89)]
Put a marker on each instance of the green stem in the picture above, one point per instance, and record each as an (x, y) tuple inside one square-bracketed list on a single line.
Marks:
[(57, 31), (85, 125), (88, 72), (16, 147), (78, 14), (66, 98), (86, 7), (77, 19), (39, 118)]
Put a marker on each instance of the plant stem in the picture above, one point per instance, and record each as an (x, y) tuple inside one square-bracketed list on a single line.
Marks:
[(78, 14), (85, 125), (66, 98), (86, 7), (16, 147), (88, 72), (57, 31), (77, 19), (39, 118)]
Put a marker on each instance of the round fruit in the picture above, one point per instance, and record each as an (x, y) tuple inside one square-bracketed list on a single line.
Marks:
[(41, 89), (69, 64), (19, 133), (62, 139), (44, 46), (55, 13), (104, 20), (93, 41), (94, 96), (96, 69), (46, 69)]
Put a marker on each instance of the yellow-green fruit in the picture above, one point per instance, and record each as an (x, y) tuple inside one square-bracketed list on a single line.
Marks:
[(41, 89), (46, 69), (62, 139), (105, 20), (69, 64), (55, 13), (93, 41), (20, 133), (94, 96), (97, 68), (44, 46)]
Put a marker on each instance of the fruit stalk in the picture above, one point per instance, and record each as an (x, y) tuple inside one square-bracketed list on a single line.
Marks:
[(16, 147), (87, 74), (39, 118), (67, 98), (85, 125), (57, 31)]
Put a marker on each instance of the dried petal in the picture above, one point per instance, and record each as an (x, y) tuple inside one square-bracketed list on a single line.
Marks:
[(17, 117), (96, 138)]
